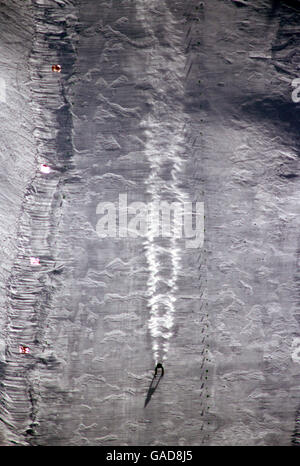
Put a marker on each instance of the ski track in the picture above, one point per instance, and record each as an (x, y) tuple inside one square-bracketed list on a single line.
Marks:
[(163, 147)]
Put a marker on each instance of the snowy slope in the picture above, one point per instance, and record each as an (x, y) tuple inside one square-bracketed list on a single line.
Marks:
[(157, 100)]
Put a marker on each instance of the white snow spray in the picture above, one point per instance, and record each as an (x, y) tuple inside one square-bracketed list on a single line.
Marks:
[(163, 126)]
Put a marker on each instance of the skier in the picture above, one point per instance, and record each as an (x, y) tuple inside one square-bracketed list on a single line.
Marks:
[(159, 366)]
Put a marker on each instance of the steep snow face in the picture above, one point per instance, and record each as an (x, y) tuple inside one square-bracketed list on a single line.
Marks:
[(156, 101), (30, 100), (17, 158)]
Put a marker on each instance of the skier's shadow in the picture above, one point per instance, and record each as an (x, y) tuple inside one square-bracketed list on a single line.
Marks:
[(153, 386)]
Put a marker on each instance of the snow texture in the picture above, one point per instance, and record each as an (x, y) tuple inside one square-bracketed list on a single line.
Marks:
[(175, 100)]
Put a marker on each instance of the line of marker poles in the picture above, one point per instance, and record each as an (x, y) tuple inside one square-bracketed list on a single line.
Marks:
[(35, 261)]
